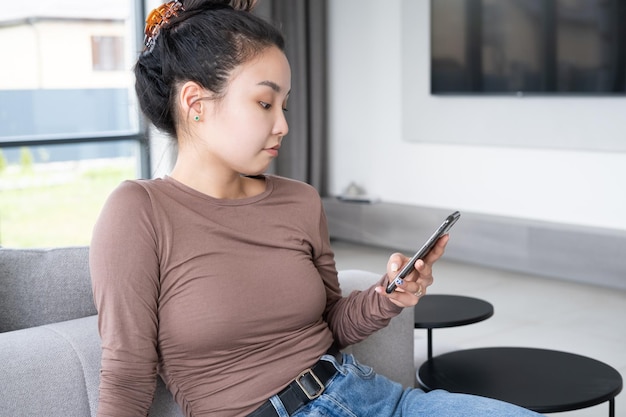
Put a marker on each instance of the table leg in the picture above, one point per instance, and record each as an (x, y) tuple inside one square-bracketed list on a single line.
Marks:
[(612, 407), (430, 344)]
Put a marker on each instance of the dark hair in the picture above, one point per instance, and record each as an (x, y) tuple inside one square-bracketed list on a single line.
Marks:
[(204, 44)]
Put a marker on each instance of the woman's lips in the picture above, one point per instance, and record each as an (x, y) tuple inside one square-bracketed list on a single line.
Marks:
[(273, 150)]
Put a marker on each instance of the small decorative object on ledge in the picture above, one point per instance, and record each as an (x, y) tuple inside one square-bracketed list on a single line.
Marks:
[(354, 193)]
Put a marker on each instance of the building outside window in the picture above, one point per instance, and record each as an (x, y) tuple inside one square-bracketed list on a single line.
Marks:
[(69, 124), (107, 53)]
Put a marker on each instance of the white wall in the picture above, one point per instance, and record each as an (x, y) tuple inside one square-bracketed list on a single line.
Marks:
[(372, 131)]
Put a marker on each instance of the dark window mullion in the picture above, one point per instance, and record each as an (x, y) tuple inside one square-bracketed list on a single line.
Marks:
[(549, 34)]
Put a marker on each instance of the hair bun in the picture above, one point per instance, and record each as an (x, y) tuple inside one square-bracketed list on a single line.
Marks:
[(244, 5)]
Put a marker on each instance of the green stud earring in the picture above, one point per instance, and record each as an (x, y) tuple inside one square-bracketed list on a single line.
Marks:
[(196, 118)]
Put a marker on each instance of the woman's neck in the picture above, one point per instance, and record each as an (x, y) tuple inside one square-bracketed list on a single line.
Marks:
[(223, 184)]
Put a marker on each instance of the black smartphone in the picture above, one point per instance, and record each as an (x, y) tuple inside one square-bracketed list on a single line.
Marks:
[(420, 254)]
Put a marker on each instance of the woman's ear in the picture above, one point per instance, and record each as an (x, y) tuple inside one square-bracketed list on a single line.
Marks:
[(190, 98)]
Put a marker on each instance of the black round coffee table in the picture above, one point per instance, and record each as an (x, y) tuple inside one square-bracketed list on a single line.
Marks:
[(435, 311), (546, 381)]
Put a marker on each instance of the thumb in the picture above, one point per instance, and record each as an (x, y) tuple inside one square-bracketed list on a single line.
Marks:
[(394, 264)]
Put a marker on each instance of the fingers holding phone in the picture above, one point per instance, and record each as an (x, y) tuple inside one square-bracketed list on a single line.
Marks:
[(409, 284), (407, 291), (437, 251)]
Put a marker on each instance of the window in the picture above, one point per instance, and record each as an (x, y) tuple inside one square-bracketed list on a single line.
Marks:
[(69, 125), (51, 195)]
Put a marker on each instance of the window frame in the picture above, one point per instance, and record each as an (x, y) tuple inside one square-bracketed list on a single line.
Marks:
[(142, 136)]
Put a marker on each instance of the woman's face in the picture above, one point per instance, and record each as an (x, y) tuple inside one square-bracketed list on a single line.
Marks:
[(243, 130)]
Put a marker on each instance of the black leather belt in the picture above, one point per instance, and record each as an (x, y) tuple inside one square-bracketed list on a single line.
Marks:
[(307, 386)]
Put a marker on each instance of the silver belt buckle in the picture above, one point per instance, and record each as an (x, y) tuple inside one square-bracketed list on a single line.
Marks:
[(319, 391)]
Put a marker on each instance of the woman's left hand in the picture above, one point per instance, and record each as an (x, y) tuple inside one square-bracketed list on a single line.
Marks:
[(414, 285)]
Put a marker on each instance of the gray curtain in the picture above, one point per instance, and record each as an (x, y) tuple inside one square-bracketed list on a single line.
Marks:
[(303, 23)]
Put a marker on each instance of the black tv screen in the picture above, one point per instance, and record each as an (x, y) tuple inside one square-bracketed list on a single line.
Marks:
[(573, 47)]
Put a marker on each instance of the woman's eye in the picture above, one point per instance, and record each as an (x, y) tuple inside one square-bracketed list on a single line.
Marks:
[(268, 106)]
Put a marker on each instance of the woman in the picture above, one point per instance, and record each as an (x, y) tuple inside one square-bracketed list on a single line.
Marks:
[(222, 279)]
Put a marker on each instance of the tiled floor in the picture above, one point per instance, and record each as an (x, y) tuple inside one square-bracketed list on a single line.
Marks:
[(529, 311)]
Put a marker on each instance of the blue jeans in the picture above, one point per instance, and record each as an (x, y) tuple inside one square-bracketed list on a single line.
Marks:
[(357, 391)]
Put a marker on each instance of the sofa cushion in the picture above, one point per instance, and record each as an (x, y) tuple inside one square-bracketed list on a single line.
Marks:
[(41, 286)]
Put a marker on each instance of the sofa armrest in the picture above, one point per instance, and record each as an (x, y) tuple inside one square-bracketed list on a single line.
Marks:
[(44, 372), (54, 371), (390, 350)]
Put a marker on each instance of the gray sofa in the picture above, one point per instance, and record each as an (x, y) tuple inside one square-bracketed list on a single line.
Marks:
[(50, 348)]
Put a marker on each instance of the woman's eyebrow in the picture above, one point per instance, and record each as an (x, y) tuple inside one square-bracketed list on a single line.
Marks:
[(272, 85)]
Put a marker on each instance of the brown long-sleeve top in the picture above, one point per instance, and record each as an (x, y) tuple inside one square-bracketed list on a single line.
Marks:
[(228, 300)]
